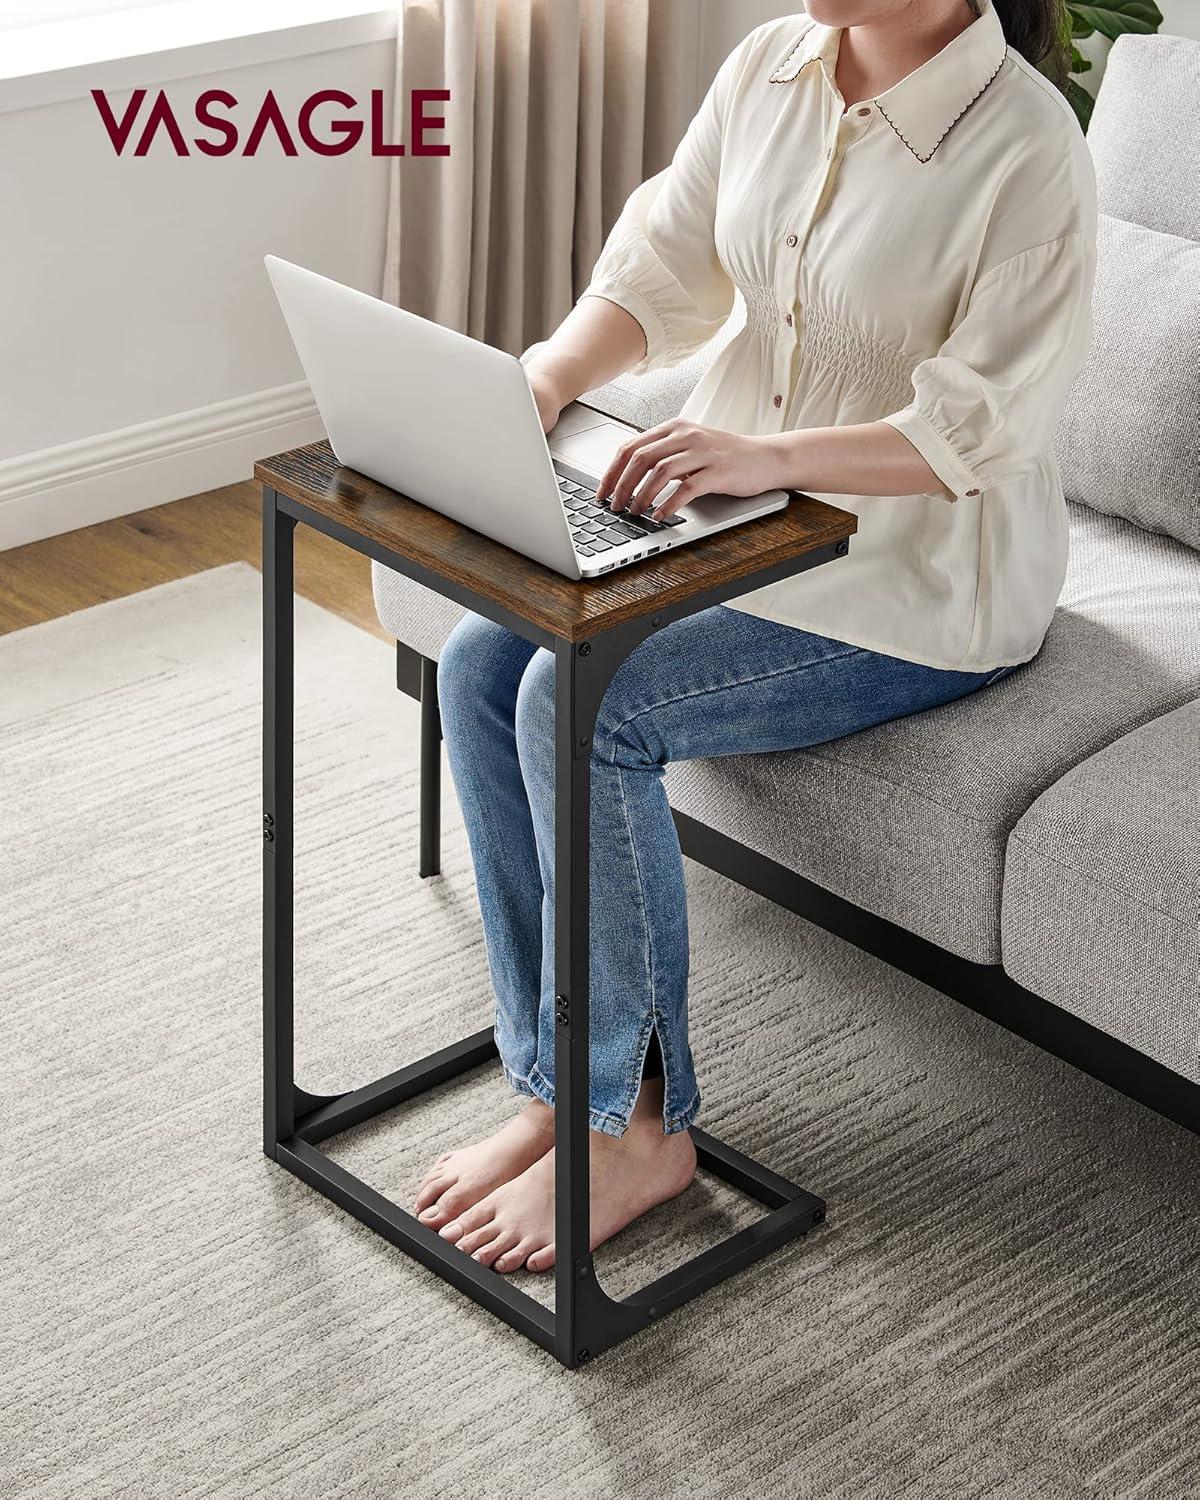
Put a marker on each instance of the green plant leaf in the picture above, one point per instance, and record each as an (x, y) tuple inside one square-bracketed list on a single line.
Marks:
[(1081, 102), (1112, 18), (1079, 63), (1080, 28)]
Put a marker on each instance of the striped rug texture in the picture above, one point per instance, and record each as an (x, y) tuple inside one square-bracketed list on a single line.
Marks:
[(1003, 1303)]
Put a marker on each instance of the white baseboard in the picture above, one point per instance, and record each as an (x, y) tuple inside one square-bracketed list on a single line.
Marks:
[(117, 473)]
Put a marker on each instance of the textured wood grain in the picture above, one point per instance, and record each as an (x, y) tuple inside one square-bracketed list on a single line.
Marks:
[(567, 608)]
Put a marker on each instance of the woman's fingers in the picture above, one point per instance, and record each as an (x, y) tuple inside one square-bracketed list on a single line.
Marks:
[(640, 463), (658, 478), (627, 450), (694, 485)]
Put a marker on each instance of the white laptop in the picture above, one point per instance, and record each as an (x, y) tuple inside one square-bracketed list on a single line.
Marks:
[(452, 423)]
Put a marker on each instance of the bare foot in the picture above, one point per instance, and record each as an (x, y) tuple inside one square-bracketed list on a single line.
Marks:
[(460, 1179), (513, 1225)]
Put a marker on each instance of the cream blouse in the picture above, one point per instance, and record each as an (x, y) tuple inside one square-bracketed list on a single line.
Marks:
[(924, 258)]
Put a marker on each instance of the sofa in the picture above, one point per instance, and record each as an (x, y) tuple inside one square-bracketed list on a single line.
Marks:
[(1032, 850)]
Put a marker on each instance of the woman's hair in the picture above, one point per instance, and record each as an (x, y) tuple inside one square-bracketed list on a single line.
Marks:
[(1039, 31)]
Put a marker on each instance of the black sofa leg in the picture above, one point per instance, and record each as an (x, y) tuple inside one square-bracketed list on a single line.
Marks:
[(431, 773)]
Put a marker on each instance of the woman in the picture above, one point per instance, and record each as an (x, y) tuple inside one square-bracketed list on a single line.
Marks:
[(907, 207)]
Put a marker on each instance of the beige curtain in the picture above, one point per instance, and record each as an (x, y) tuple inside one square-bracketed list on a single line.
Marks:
[(559, 109)]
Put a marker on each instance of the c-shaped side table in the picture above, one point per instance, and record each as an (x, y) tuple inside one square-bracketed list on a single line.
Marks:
[(591, 627)]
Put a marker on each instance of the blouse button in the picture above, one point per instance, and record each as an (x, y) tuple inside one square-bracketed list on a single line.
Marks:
[(972, 492), (778, 401), (789, 320), (792, 241), (864, 111)]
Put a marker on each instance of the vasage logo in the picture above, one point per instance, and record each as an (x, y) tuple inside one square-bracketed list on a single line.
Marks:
[(329, 134)]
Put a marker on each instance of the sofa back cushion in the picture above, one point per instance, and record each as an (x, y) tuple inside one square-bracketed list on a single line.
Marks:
[(1145, 134), (1129, 441)]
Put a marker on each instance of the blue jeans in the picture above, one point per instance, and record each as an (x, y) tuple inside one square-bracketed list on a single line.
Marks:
[(721, 682)]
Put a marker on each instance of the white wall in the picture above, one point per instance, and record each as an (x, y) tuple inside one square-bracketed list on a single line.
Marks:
[(142, 355)]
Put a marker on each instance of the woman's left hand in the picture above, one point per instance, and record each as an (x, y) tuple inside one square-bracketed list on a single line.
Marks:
[(704, 460)]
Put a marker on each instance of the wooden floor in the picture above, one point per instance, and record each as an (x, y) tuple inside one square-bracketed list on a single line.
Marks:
[(64, 573)]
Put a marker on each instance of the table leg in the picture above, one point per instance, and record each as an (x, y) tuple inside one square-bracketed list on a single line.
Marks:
[(278, 712), (586, 1319), (572, 847), (431, 773)]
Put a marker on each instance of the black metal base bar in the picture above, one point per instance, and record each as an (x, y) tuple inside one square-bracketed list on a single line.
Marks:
[(497, 1293), (346, 1110), (601, 1321)]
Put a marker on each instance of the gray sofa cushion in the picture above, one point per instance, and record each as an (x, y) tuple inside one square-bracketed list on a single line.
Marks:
[(1129, 441), (1102, 892), (910, 819), (414, 614), (1145, 134)]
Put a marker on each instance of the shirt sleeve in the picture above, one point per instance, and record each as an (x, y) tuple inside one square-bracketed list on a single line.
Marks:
[(987, 404), (660, 262)]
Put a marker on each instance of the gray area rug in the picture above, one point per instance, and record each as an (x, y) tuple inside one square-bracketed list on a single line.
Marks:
[(1003, 1303)]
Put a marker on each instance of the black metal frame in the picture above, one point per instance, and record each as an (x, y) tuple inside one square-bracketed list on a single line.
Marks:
[(984, 988), (585, 1320)]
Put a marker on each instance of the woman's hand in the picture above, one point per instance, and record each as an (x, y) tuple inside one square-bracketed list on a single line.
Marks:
[(705, 461)]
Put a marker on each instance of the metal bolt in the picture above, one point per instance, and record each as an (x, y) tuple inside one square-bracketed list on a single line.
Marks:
[(268, 820), (842, 548), (819, 1216), (583, 1356), (268, 836), (586, 649), (655, 623), (584, 741), (652, 1313), (583, 1269)]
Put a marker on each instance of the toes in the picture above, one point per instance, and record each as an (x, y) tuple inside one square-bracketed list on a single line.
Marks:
[(456, 1201), (468, 1222), (430, 1191), (512, 1260), (435, 1216), (487, 1255), (541, 1260), (477, 1238)]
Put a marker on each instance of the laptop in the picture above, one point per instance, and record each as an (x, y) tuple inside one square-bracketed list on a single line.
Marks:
[(452, 423)]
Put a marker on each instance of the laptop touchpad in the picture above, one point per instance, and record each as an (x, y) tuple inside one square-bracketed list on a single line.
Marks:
[(589, 448)]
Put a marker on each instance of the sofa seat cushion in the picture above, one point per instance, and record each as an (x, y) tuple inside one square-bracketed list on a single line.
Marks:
[(910, 820), (1101, 909), (415, 615)]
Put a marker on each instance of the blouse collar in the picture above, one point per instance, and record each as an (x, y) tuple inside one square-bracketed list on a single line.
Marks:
[(925, 104)]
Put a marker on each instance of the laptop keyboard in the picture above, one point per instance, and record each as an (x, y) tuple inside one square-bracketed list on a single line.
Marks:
[(596, 529)]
